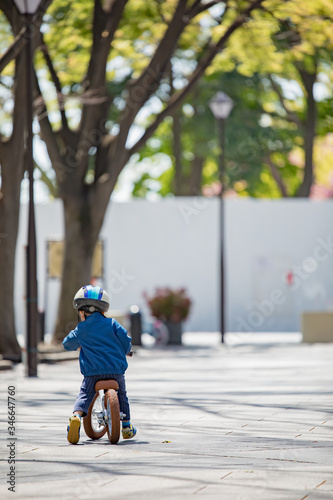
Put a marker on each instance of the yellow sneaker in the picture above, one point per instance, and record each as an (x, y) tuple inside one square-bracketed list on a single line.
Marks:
[(128, 431), (73, 430)]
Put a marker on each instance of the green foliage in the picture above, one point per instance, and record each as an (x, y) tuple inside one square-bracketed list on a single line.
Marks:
[(260, 71), (68, 35), (248, 142), (6, 35), (266, 52)]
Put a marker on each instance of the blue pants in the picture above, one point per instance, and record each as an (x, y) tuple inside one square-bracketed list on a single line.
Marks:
[(87, 393)]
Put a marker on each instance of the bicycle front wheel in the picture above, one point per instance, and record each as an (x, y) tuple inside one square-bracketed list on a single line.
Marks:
[(113, 415), (94, 424)]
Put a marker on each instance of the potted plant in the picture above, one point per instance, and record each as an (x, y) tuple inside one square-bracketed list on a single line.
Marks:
[(172, 307)]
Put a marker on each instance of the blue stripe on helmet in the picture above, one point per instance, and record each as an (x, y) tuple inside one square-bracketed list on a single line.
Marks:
[(93, 292)]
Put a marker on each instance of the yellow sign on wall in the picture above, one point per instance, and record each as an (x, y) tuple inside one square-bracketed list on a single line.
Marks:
[(55, 251)]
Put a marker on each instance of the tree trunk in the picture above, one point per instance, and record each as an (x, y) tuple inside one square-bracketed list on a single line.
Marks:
[(81, 234), (11, 161), (177, 153), (309, 80), (9, 217), (11, 170), (196, 176)]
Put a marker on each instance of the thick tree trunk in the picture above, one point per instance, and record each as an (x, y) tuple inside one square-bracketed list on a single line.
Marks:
[(11, 161), (81, 234), (9, 217), (11, 170)]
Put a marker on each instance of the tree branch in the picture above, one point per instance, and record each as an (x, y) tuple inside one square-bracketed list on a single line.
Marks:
[(19, 111), (47, 133), (13, 50), (203, 64), (96, 102), (198, 7), (47, 181), (141, 89), (290, 114), (105, 24), (277, 176), (21, 38), (56, 82)]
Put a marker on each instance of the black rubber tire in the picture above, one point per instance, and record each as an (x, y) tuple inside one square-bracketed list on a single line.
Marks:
[(111, 403), (88, 423)]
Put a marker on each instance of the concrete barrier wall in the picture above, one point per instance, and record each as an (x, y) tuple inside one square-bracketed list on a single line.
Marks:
[(279, 258)]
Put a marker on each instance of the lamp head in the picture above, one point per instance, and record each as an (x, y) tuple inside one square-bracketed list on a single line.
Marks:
[(221, 105), (27, 6)]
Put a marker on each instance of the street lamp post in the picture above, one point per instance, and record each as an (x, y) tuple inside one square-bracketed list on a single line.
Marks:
[(28, 8), (221, 105)]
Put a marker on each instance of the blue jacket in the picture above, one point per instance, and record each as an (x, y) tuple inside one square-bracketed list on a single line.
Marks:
[(104, 344)]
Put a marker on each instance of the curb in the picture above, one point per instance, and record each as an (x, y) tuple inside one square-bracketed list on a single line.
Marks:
[(48, 353), (54, 357), (6, 364)]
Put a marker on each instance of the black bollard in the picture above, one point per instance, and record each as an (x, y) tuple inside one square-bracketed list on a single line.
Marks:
[(41, 326), (136, 326)]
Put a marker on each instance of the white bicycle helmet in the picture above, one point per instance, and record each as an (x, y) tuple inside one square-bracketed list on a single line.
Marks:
[(91, 298)]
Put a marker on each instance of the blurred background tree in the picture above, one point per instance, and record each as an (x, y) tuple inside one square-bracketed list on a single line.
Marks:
[(278, 71)]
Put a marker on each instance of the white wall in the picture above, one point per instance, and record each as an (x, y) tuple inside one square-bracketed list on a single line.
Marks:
[(266, 239), (175, 242)]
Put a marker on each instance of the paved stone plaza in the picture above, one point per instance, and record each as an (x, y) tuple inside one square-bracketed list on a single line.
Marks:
[(250, 419)]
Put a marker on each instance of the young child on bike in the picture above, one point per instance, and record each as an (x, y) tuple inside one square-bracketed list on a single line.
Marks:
[(104, 345)]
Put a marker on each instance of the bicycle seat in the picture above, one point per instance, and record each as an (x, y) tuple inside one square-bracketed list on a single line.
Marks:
[(106, 384)]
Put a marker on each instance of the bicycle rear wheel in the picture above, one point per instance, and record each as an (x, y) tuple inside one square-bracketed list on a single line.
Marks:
[(113, 415), (93, 424)]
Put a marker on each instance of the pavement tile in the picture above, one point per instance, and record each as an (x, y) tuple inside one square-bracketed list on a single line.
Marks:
[(214, 421)]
